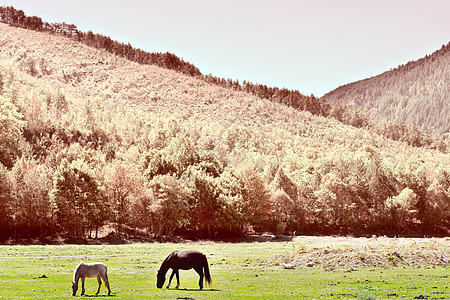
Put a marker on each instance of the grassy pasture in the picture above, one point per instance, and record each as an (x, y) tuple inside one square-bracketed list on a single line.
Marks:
[(246, 270)]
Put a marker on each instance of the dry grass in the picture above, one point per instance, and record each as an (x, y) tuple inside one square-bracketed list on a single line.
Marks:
[(348, 253)]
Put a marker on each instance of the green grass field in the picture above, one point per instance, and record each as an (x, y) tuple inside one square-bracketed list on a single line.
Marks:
[(238, 270)]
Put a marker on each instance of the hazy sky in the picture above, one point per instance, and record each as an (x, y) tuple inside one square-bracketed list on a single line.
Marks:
[(310, 45)]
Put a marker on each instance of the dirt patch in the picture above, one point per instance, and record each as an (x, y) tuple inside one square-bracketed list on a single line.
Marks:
[(349, 253)]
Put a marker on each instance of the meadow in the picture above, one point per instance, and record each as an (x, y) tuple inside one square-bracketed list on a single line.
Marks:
[(241, 270)]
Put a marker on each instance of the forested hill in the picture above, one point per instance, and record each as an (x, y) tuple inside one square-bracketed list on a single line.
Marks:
[(417, 92), (90, 139), (293, 98)]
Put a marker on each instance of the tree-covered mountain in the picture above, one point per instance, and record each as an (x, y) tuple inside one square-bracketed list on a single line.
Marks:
[(89, 138), (345, 113), (417, 92)]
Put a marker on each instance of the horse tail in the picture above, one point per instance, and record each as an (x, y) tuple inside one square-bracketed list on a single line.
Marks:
[(207, 274)]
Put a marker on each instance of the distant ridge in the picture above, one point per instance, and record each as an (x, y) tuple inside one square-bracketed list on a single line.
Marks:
[(417, 92)]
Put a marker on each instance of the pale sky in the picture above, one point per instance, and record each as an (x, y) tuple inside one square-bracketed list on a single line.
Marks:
[(313, 46)]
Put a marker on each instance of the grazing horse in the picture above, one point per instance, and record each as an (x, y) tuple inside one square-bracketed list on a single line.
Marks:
[(90, 270), (183, 260)]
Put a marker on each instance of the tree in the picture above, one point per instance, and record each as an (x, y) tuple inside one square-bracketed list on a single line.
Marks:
[(77, 198), (256, 205), (366, 181), (415, 175), (210, 164), (338, 200), (230, 195), (30, 186), (5, 202), (288, 204), (170, 208), (156, 163), (141, 215), (11, 127), (283, 182), (437, 204), (402, 208), (208, 210), (60, 104), (282, 208), (124, 186), (182, 153)]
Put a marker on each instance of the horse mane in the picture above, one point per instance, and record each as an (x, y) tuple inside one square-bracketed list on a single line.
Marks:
[(76, 274), (164, 266)]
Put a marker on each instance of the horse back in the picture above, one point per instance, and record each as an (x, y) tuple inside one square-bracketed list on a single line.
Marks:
[(91, 270), (189, 259)]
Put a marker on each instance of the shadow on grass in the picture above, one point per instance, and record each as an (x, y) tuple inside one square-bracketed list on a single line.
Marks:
[(99, 296), (195, 290)]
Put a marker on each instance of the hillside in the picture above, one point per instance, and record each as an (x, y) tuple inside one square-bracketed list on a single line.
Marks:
[(417, 92), (167, 152), (393, 129)]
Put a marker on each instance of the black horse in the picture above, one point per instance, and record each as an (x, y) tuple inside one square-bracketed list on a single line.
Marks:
[(183, 260)]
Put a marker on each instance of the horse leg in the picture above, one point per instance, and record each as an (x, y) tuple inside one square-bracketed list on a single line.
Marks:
[(170, 279), (105, 279), (82, 286), (200, 273), (178, 279), (99, 284)]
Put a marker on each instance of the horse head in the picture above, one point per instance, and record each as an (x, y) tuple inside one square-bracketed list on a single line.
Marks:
[(74, 288), (160, 279)]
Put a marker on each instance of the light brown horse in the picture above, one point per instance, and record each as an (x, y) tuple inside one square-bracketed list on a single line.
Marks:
[(91, 270)]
